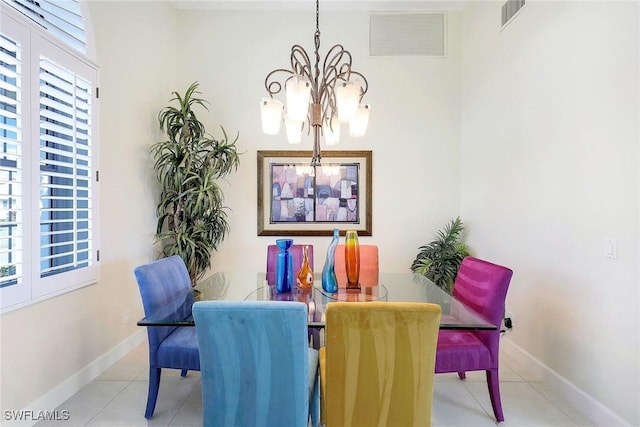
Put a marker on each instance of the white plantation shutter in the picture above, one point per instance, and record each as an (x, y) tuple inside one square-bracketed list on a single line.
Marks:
[(11, 165), (65, 170), (48, 158), (62, 18), (66, 173)]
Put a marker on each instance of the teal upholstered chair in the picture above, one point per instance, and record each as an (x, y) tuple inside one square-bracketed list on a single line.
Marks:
[(164, 283), (257, 368)]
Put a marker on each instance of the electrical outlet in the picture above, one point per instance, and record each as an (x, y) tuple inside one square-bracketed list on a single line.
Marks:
[(508, 320), (508, 323), (126, 319)]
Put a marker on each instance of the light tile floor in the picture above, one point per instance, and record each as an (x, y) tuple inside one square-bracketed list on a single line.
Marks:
[(118, 398)]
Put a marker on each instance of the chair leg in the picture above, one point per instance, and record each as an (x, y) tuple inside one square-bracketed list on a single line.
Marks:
[(154, 385), (183, 373), (462, 375), (314, 338), (323, 385), (315, 404), (494, 393)]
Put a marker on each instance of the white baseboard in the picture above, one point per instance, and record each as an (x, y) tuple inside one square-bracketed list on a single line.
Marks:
[(592, 408), (56, 396)]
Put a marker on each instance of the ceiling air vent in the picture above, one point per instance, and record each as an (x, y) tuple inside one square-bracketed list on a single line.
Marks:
[(510, 9), (407, 34)]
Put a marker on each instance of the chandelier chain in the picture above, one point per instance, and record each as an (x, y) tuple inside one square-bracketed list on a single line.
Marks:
[(317, 52)]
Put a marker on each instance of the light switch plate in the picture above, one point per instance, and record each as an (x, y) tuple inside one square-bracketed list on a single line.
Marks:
[(611, 248)]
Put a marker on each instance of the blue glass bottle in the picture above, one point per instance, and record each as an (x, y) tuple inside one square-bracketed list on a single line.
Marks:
[(284, 266), (329, 279)]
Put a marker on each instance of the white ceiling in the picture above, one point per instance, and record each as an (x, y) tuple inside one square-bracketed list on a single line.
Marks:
[(361, 5)]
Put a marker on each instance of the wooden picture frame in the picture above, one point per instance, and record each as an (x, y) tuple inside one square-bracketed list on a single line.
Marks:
[(294, 202)]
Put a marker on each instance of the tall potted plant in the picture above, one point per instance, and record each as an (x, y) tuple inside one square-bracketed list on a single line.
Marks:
[(192, 220), (440, 259)]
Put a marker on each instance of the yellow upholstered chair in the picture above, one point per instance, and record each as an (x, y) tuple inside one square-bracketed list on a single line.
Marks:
[(368, 265), (377, 366)]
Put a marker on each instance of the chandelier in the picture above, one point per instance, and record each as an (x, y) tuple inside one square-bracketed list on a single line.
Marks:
[(322, 101)]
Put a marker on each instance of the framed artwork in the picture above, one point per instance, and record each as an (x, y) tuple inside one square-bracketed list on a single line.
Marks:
[(293, 200)]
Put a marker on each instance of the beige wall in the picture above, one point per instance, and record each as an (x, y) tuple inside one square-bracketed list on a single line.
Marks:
[(414, 138), (549, 167)]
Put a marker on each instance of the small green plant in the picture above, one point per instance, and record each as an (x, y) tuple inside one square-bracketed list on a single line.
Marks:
[(440, 260)]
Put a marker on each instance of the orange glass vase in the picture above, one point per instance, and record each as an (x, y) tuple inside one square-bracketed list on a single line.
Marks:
[(352, 259), (304, 280)]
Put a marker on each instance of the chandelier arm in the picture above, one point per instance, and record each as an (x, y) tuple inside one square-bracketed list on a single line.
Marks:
[(365, 86), (342, 68), (336, 50), (272, 84), (337, 66), (300, 62), (335, 61), (329, 82), (326, 93), (331, 75), (328, 102)]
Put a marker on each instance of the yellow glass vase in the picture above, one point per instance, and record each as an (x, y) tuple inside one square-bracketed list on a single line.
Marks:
[(352, 259)]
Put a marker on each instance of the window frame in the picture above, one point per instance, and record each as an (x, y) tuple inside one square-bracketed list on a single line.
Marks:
[(38, 43)]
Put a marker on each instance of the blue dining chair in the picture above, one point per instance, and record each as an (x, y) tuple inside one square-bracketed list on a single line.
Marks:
[(163, 283), (257, 368), (482, 286)]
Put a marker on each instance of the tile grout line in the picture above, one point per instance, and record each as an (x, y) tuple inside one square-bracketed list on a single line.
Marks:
[(108, 402), (532, 385), (184, 401)]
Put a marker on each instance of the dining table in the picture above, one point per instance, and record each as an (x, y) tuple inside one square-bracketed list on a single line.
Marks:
[(253, 286)]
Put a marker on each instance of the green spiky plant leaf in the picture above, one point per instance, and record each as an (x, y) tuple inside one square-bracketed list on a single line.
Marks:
[(192, 218), (440, 260)]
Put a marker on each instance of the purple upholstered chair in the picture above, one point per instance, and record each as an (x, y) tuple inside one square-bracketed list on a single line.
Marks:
[(296, 251), (482, 286), (162, 283)]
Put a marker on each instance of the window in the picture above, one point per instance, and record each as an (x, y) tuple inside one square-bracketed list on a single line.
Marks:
[(48, 158), (61, 18)]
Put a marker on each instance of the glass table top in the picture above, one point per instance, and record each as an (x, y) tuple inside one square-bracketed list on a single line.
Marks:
[(239, 286), (317, 299)]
